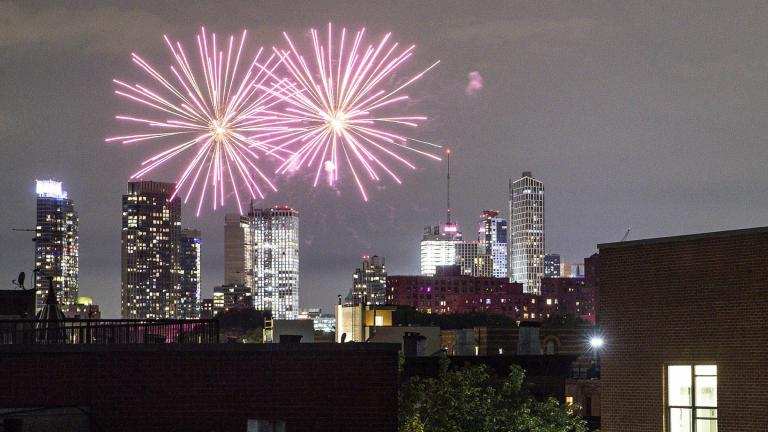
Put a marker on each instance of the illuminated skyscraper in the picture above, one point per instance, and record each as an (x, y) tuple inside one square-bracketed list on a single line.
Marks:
[(370, 282), (276, 261), (151, 236), (526, 208), (492, 236), (188, 302), (438, 247), (56, 244), (238, 251)]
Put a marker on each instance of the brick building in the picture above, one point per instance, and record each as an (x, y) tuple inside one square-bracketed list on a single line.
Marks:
[(686, 337), (448, 291), (228, 387)]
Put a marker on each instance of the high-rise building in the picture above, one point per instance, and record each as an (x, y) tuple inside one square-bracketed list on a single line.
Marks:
[(473, 260), (492, 235), (188, 302), (150, 241), (276, 261), (369, 282), (552, 265), (526, 208), (438, 247), (57, 244), (238, 251)]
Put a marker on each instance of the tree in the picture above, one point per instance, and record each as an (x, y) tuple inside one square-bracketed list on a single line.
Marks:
[(471, 399)]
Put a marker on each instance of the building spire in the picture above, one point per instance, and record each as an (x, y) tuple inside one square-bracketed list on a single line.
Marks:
[(448, 188)]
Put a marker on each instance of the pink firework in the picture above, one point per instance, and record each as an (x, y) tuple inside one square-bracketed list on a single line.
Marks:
[(335, 108), (209, 113)]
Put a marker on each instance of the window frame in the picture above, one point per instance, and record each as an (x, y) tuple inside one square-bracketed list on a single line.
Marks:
[(692, 407)]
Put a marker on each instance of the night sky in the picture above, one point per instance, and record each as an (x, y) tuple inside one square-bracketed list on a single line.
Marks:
[(651, 115)]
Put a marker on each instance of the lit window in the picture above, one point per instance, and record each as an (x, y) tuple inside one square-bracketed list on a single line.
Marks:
[(569, 400), (692, 398)]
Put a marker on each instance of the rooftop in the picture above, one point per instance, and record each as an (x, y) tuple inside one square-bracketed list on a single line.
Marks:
[(687, 237)]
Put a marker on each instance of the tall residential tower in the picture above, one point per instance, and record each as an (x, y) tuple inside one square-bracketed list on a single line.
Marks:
[(526, 209), (56, 244), (151, 237), (370, 282)]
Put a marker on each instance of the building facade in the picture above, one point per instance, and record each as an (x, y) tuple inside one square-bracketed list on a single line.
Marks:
[(57, 244), (552, 265), (238, 251), (492, 236), (568, 297), (188, 302), (229, 297), (526, 208), (450, 292), (473, 260), (369, 282), (683, 319), (276, 261), (438, 247), (150, 243)]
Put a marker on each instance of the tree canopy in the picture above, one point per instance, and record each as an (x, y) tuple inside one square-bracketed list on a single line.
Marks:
[(472, 399)]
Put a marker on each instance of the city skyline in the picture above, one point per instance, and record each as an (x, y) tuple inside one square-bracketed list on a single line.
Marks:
[(608, 96)]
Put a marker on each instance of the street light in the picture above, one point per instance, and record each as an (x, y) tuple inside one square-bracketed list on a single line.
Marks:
[(596, 342)]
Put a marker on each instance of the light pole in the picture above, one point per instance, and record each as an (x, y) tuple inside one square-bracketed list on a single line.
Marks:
[(596, 342)]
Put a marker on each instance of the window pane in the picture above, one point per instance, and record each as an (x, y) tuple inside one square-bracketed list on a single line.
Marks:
[(706, 413), (706, 391), (706, 369), (679, 420), (706, 425), (679, 385)]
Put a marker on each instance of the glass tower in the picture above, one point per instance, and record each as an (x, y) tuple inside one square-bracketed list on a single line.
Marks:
[(275, 234), (56, 244), (188, 303), (492, 236), (526, 208), (438, 247)]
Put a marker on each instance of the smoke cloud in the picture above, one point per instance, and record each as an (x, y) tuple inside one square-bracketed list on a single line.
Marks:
[(475, 83)]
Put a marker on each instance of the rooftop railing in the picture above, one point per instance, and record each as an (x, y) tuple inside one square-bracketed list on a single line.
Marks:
[(108, 331)]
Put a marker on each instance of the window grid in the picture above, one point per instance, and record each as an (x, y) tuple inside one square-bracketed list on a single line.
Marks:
[(693, 408)]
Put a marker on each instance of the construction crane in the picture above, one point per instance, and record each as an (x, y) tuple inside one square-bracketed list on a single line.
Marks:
[(626, 234)]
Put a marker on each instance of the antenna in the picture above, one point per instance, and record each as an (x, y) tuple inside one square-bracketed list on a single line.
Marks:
[(448, 187)]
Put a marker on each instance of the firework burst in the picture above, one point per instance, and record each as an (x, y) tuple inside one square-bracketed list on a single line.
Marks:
[(334, 114), (210, 111)]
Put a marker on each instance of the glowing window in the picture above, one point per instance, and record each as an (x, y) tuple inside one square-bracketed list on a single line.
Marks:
[(691, 398)]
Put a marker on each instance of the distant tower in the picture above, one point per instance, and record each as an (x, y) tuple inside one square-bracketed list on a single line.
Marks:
[(57, 244), (151, 236), (188, 303), (276, 261), (370, 282), (473, 261), (438, 244), (238, 251), (492, 236), (526, 208), (552, 265)]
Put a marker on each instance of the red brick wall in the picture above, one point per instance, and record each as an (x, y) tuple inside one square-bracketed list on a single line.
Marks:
[(349, 387), (694, 300)]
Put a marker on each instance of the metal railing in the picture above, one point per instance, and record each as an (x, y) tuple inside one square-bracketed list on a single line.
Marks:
[(108, 331)]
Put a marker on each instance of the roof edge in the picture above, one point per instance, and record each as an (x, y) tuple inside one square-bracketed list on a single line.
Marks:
[(685, 237)]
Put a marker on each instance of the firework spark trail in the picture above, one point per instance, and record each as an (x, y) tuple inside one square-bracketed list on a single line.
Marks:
[(210, 117), (332, 109)]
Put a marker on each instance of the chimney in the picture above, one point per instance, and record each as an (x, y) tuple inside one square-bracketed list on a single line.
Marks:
[(528, 338), (413, 344)]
